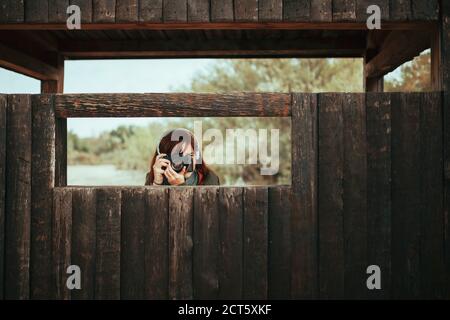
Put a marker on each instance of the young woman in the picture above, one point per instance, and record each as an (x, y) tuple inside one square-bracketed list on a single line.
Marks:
[(166, 168)]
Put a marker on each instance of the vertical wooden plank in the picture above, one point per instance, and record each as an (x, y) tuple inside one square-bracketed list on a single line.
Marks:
[(406, 196), (156, 243), (255, 243), (132, 277), (3, 107), (304, 268), (344, 10), (36, 11), (432, 269), (246, 10), (43, 182), (355, 195), (279, 257), (198, 10), (104, 11), (400, 10), (321, 10), (4, 6), (425, 10), (61, 241), (84, 240), (222, 10), (85, 8), (180, 243), (18, 197), (379, 189), (330, 197), (270, 10), (296, 10), (206, 243), (231, 243), (175, 10), (12, 11), (362, 5), (107, 268), (57, 10), (151, 10), (127, 10)]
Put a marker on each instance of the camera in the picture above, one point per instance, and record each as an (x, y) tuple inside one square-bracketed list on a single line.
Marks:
[(180, 163)]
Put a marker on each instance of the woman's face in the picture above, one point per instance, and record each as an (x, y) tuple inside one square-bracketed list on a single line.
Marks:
[(187, 150)]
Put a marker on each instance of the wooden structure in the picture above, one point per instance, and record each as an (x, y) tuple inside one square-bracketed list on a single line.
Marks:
[(370, 172)]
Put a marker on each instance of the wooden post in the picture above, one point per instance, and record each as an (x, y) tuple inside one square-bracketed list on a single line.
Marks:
[(372, 84)]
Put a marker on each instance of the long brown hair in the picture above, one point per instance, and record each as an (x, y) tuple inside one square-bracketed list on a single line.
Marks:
[(166, 146)]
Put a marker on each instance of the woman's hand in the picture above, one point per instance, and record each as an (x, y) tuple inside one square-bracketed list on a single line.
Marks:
[(174, 178), (158, 170)]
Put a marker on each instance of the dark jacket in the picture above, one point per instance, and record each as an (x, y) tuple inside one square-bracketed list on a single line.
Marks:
[(210, 180)]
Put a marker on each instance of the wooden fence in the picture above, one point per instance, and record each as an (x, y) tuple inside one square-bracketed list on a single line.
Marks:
[(367, 189)]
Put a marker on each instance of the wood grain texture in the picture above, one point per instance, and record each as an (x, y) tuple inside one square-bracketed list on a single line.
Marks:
[(3, 108), (379, 202), (175, 10), (12, 11), (180, 243), (406, 195), (18, 198), (36, 11), (355, 195), (362, 5), (132, 268), (425, 10), (84, 240), (245, 10), (304, 268), (198, 11), (150, 10), (400, 10), (43, 182), (255, 284), (173, 105), (61, 242), (127, 11), (61, 153), (321, 10), (157, 243), (270, 10), (344, 10), (279, 255), (104, 11), (222, 10), (107, 268), (206, 243), (231, 243), (57, 11), (296, 10), (330, 197), (86, 8)]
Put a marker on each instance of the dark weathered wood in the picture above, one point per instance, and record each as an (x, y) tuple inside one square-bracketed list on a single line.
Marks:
[(344, 10), (304, 276), (246, 10), (107, 268), (57, 11), (231, 243), (400, 10), (432, 270), (296, 10), (198, 10), (362, 5), (84, 240), (173, 105), (85, 8), (355, 195), (104, 11), (406, 195), (270, 10), (425, 10), (127, 11), (36, 11), (222, 10), (3, 108), (61, 242), (61, 153), (206, 243), (132, 269), (151, 10), (12, 11), (330, 197), (175, 10), (156, 243), (255, 243), (321, 10), (279, 255), (378, 109), (18, 197), (43, 181), (180, 243)]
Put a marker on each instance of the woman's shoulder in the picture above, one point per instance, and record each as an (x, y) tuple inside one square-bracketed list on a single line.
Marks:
[(211, 179)]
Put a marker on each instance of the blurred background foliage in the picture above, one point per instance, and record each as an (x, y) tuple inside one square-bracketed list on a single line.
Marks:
[(131, 147)]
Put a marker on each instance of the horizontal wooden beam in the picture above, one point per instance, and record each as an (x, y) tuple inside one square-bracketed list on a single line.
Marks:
[(20, 62), (398, 48), (173, 105)]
